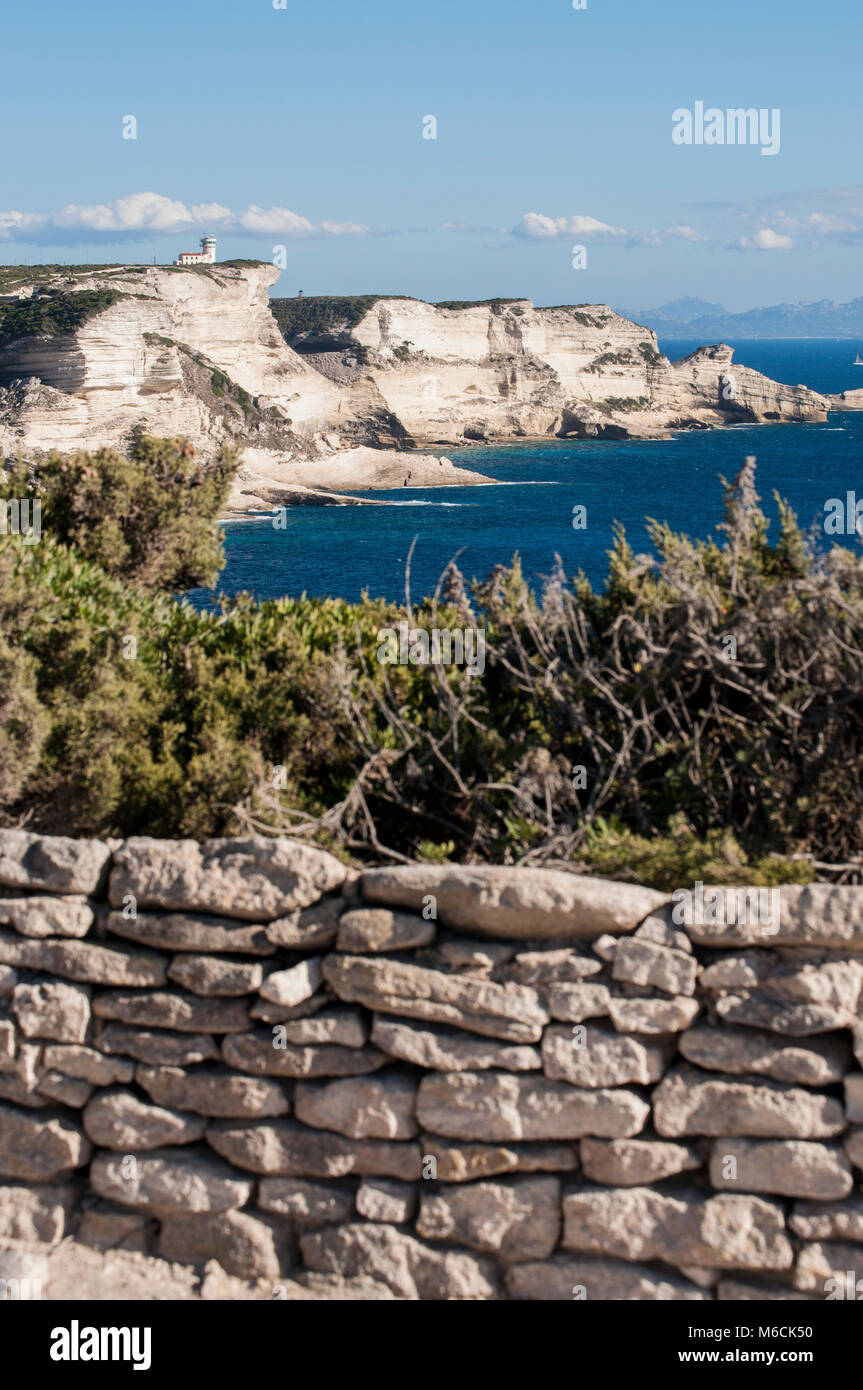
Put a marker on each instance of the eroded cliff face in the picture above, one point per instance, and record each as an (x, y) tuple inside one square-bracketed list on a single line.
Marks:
[(155, 360), (505, 370), (198, 353)]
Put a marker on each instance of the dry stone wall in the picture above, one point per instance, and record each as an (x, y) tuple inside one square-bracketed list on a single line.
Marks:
[(425, 1082)]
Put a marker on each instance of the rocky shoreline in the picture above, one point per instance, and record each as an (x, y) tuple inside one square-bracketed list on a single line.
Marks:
[(329, 482)]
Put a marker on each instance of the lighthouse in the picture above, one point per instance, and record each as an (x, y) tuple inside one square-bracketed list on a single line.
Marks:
[(206, 255)]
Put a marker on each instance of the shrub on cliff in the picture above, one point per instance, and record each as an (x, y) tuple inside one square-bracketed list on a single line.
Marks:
[(53, 312), (316, 322)]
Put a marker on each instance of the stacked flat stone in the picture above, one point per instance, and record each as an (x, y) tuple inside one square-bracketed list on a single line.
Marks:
[(433, 1082)]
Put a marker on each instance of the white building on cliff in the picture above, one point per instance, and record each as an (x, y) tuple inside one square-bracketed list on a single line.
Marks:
[(206, 255)]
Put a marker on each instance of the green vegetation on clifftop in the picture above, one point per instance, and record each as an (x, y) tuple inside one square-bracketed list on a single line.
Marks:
[(321, 316), (13, 277), (53, 312)]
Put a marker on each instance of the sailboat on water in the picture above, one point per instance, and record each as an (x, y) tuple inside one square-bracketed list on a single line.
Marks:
[(858, 360)]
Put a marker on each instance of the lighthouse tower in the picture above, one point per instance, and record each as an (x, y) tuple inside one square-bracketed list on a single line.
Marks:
[(206, 255)]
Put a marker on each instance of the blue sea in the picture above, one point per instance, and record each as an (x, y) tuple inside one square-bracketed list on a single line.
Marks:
[(342, 551)]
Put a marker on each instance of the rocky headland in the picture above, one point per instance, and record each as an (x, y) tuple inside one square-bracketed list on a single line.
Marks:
[(330, 396), (847, 400)]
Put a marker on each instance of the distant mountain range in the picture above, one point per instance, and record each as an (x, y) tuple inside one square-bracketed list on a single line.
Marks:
[(697, 318)]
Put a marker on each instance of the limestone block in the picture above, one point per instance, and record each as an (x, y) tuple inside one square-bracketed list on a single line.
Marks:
[(256, 879)]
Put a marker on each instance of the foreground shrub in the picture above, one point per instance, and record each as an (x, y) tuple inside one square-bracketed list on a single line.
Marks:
[(148, 518), (705, 708), (23, 721), (680, 856)]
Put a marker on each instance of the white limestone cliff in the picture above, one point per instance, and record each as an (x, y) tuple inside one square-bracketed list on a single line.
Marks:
[(509, 369), (198, 353), (133, 364)]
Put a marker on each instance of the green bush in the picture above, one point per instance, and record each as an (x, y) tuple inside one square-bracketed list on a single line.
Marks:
[(52, 312), (24, 722), (624, 403), (322, 316), (650, 354), (12, 277), (475, 303), (693, 760), (148, 518), (610, 359), (680, 856)]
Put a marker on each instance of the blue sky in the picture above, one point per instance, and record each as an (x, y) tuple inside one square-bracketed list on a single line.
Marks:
[(302, 127)]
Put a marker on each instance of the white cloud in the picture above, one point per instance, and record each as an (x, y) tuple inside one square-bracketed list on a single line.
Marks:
[(684, 233), (827, 222), (811, 217), (271, 220), (535, 225), (765, 239), (655, 237), (211, 213), (344, 228), (138, 213), (17, 225), (469, 228)]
